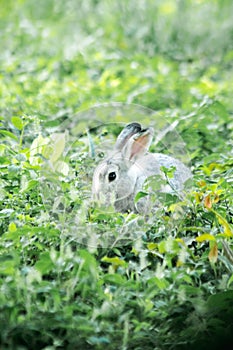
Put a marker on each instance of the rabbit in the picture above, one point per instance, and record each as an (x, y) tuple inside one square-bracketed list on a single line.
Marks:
[(118, 178)]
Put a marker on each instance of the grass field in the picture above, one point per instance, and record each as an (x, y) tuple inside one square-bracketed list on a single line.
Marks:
[(72, 73)]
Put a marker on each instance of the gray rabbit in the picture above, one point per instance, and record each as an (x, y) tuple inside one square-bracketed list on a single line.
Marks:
[(118, 179)]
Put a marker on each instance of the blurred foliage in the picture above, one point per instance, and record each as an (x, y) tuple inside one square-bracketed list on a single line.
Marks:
[(171, 289)]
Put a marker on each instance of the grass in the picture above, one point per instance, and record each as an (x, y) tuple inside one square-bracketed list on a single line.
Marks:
[(67, 278)]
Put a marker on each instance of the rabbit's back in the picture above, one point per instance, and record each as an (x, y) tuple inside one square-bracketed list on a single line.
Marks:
[(151, 164)]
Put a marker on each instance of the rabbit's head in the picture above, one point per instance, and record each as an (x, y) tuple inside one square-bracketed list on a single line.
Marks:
[(119, 177)]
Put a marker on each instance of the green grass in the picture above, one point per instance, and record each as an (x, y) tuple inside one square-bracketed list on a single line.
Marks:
[(67, 280)]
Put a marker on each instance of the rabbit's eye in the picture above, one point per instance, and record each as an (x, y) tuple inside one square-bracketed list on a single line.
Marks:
[(112, 176)]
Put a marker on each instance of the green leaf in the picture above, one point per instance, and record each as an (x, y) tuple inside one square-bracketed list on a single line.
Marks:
[(10, 134), (114, 261), (220, 301), (17, 122), (45, 264), (7, 264), (114, 279), (171, 245), (38, 146), (205, 237), (61, 167), (29, 185), (12, 227), (190, 290), (228, 231), (230, 281), (161, 283), (58, 144), (168, 171), (140, 195), (89, 263), (219, 109), (152, 245)]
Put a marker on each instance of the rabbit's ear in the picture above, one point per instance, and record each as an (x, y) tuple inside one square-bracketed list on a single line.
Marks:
[(130, 130), (138, 144)]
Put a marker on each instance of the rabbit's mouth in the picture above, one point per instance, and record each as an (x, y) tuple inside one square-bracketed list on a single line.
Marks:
[(104, 199), (124, 204)]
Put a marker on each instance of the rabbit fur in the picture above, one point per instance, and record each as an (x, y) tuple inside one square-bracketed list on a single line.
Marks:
[(119, 177)]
